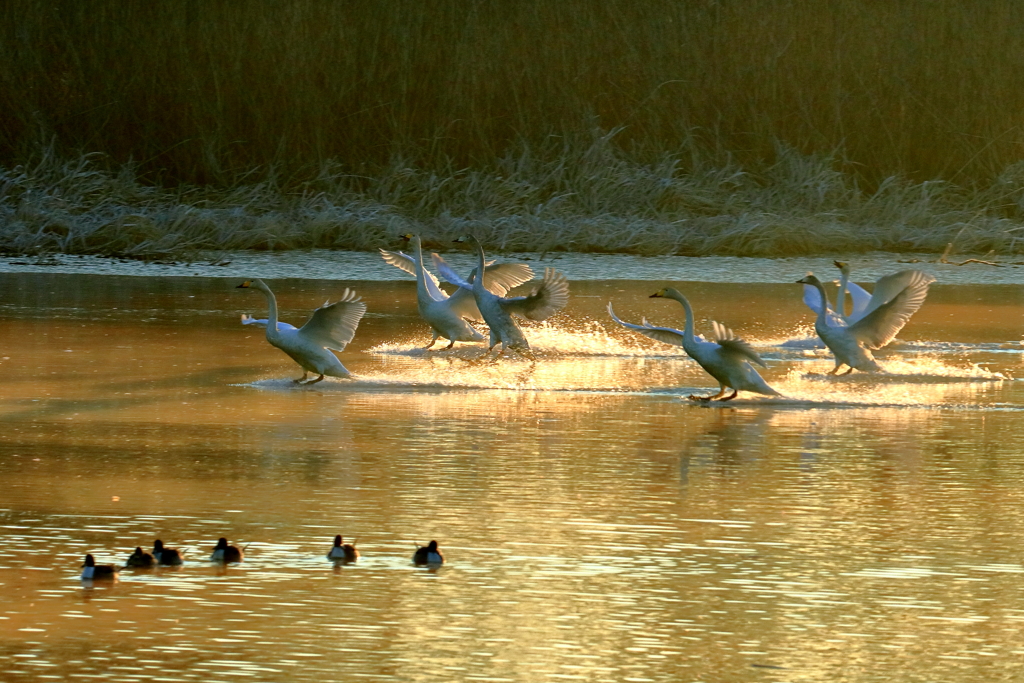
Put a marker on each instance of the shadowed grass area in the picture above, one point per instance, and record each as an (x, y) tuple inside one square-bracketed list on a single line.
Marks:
[(591, 198), (725, 126)]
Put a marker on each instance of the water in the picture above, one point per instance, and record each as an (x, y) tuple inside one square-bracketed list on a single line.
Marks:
[(597, 526)]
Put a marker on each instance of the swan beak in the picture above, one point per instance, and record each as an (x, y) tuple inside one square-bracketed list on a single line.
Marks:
[(245, 285), (660, 294)]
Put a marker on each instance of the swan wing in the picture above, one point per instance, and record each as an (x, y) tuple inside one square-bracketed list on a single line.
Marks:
[(409, 264), (500, 278), (448, 274), (881, 325), (889, 286), (332, 326), (463, 304), (733, 346), (548, 299), (666, 335)]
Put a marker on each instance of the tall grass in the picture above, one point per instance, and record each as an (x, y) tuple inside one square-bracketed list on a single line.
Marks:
[(720, 124), (204, 90)]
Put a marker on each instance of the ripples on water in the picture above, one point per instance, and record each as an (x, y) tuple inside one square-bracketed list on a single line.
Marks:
[(597, 526)]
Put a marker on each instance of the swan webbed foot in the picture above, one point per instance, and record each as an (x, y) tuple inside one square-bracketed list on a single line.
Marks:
[(302, 379), (695, 397)]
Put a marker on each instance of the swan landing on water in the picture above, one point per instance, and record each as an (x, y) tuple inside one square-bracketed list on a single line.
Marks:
[(728, 358), (331, 326)]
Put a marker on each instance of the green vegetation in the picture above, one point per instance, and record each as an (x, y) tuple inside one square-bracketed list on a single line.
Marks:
[(670, 126)]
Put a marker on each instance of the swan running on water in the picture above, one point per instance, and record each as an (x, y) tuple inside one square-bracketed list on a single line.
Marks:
[(497, 311), (728, 358), (895, 299), (446, 314), (331, 326)]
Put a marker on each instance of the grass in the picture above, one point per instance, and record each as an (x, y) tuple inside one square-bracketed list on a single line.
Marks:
[(668, 126), (594, 198)]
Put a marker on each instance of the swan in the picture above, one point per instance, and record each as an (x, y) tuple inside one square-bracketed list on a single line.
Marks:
[(91, 570), (430, 554), (885, 289), (728, 358), (331, 326), (852, 345), (225, 553), (140, 558), (166, 556), (343, 552), (497, 311), (446, 314)]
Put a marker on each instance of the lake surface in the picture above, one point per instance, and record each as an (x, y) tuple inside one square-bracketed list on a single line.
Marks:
[(597, 525)]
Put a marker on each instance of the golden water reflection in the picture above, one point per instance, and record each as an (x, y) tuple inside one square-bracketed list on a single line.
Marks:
[(597, 527)]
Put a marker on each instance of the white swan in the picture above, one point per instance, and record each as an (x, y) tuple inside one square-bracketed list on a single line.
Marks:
[(863, 302), (728, 358), (497, 311), (883, 320), (331, 326), (446, 314)]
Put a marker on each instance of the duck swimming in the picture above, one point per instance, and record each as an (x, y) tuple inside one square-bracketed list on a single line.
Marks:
[(430, 554), (140, 558), (728, 358), (331, 327), (166, 556), (225, 553), (91, 570), (343, 552)]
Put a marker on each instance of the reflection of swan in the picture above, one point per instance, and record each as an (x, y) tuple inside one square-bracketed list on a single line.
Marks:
[(226, 553), (331, 326), (446, 314), (166, 556), (140, 558), (431, 554), (497, 311), (91, 570), (879, 325), (728, 358), (343, 552)]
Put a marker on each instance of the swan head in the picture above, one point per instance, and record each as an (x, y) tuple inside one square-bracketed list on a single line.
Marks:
[(843, 267), (666, 293), (809, 279), (245, 285)]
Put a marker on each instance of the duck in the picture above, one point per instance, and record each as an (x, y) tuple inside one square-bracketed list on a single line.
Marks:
[(168, 557), (343, 552), (226, 553), (331, 327), (91, 570), (498, 311), (140, 558), (886, 315), (727, 359), (446, 314), (430, 554)]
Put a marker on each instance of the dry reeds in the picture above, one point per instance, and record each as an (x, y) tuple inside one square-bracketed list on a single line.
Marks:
[(688, 126)]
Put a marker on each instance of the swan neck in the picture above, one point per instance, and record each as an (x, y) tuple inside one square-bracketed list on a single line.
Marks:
[(823, 311), (272, 305), (421, 277), (688, 314), (478, 283), (841, 295)]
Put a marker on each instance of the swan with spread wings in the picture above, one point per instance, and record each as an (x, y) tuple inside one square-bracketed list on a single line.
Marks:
[(728, 358), (447, 315), (498, 311), (332, 326)]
